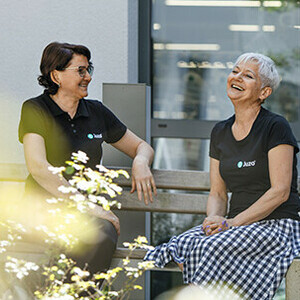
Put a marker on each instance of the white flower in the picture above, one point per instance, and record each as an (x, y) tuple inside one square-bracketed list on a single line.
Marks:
[(54, 211), (92, 175), (78, 198), (91, 205), (4, 244), (141, 240), (102, 169), (131, 269), (93, 198), (60, 272), (110, 192), (58, 297), (80, 156), (113, 293), (103, 201), (52, 200), (56, 170), (19, 227), (20, 267), (146, 265), (31, 266), (41, 228), (85, 185), (77, 167), (147, 247), (10, 237), (117, 188), (66, 189), (69, 218), (80, 272)]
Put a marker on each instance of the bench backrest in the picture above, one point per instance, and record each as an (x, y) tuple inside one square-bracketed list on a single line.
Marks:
[(178, 191)]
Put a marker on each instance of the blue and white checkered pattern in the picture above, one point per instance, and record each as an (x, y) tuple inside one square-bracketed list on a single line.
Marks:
[(249, 261)]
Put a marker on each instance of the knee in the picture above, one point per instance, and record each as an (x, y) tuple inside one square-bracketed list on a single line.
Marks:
[(211, 244), (107, 232)]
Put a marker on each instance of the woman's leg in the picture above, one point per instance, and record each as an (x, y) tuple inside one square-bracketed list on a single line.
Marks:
[(99, 255)]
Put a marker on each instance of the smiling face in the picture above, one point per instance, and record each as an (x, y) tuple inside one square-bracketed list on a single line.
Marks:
[(70, 82), (244, 84)]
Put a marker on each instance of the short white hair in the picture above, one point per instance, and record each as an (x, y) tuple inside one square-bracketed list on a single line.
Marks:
[(267, 69)]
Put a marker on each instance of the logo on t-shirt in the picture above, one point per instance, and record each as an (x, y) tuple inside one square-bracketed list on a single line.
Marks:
[(94, 136), (245, 164)]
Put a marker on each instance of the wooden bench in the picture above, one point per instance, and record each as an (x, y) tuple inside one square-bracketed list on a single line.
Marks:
[(179, 192)]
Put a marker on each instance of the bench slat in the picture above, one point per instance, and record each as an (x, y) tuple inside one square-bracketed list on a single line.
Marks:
[(13, 172), (173, 179), (136, 254), (27, 247), (165, 179), (170, 267), (166, 202)]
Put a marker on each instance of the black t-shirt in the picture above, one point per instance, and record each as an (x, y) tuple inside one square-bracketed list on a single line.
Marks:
[(92, 124), (244, 164)]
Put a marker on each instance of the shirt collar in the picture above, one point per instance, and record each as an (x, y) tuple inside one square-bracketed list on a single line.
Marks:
[(56, 110), (81, 109)]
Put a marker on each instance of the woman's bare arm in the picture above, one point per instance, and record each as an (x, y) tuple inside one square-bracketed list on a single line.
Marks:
[(38, 166), (217, 199), (142, 154)]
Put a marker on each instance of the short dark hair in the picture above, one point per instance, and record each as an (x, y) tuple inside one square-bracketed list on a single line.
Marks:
[(56, 56)]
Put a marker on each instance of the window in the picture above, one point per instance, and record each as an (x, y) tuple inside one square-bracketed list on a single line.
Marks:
[(193, 47)]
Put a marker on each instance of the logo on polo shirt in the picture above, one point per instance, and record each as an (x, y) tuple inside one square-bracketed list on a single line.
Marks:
[(94, 136), (245, 164)]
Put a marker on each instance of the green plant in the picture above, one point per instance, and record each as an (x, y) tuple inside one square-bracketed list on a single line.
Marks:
[(61, 277)]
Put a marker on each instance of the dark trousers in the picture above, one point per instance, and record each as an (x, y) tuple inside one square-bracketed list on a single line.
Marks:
[(98, 255)]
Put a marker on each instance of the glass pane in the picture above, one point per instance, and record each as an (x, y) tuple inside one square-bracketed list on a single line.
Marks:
[(181, 154), (196, 42)]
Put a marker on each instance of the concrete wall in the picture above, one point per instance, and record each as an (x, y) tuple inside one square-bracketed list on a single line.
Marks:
[(107, 27)]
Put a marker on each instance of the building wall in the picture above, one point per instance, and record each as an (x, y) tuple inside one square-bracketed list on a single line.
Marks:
[(107, 28)]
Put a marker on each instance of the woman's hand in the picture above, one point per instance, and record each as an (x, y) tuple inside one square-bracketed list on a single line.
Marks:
[(142, 180), (99, 212), (216, 224)]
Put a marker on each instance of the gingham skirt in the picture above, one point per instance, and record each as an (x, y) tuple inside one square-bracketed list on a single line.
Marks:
[(248, 261)]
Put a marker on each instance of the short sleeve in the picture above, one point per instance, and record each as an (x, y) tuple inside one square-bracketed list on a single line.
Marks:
[(281, 133), (32, 120), (214, 152), (115, 129)]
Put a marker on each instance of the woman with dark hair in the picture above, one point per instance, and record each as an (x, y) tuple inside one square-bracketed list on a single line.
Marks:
[(246, 250), (61, 121)]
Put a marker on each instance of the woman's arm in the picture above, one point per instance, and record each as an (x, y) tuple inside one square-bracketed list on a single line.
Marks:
[(142, 154), (38, 167), (280, 170), (217, 200)]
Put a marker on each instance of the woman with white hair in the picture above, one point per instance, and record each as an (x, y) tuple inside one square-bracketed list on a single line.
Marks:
[(248, 248)]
